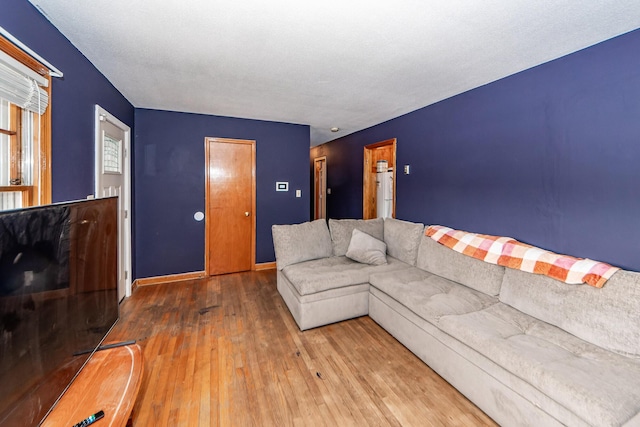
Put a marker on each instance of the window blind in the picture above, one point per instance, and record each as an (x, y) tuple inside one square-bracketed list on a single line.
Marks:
[(22, 86)]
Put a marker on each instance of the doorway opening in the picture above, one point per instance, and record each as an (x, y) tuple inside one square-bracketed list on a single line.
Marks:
[(376, 202), (113, 178), (320, 187)]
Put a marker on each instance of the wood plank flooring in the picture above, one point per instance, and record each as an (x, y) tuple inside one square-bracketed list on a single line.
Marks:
[(224, 351)]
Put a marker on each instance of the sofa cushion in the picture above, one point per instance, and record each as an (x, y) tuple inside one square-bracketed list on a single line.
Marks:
[(608, 317), (341, 230), (586, 379), (322, 274), (402, 239), (471, 272), (301, 242), (428, 295), (366, 249)]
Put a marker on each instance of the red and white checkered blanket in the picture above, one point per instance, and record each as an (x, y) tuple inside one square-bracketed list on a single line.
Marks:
[(510, 253)]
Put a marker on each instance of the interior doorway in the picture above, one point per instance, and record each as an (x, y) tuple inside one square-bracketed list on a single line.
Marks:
[(320, 187), (230, 226), (113, 178), (380, 151)]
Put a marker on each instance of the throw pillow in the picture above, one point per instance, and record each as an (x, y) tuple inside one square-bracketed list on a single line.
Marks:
[(366, 249)]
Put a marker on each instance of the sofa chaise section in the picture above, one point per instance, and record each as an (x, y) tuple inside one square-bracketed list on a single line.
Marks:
[(318, 283), (328, 290)]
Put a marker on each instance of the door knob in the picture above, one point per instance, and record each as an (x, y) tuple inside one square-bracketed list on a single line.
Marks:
[(246, 214)]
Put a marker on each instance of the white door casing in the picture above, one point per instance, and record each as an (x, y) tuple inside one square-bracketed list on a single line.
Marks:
[(113, 178)]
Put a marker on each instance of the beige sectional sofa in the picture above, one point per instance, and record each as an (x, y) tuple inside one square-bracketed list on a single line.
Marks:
[(527, 349)]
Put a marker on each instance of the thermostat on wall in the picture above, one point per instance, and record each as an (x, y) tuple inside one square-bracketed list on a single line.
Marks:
[(282, 186)]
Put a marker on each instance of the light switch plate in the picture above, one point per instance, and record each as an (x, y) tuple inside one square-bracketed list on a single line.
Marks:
[(282, 186), (298, 193)]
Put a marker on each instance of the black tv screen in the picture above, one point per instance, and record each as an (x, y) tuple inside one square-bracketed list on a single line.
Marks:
[(58, 300)]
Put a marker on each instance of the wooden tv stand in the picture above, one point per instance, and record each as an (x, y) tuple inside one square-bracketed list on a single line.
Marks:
[(109, 382)]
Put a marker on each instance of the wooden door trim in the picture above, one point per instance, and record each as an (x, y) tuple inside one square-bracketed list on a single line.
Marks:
[(391, 141), (315, 185), (368, 184), (207, 223)]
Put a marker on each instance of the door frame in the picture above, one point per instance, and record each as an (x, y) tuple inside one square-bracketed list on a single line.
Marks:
[(103, 115), (207, 223), (315, 187), (369, 180)]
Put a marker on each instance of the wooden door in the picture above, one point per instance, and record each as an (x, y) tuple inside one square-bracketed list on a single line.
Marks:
[(320, 188), (230, 205), (384, 150)]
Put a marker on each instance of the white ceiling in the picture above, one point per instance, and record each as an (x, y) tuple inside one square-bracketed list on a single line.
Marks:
[(344, 63)]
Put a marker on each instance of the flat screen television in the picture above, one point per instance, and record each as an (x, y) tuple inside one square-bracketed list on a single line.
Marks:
[(58, 300)]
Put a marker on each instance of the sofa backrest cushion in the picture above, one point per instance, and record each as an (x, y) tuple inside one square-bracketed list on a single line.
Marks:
[(608, 317), (452, 265), (301, 242), (341, 230), (402, 239)]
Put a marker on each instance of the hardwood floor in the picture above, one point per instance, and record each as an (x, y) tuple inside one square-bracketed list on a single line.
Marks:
[(224, 351)]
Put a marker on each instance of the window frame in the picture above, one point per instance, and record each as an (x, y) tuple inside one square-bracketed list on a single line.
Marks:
[(39, 193)]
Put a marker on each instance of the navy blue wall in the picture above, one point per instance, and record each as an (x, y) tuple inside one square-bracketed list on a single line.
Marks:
[(550, 156), (170, 184), (73, 99)]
